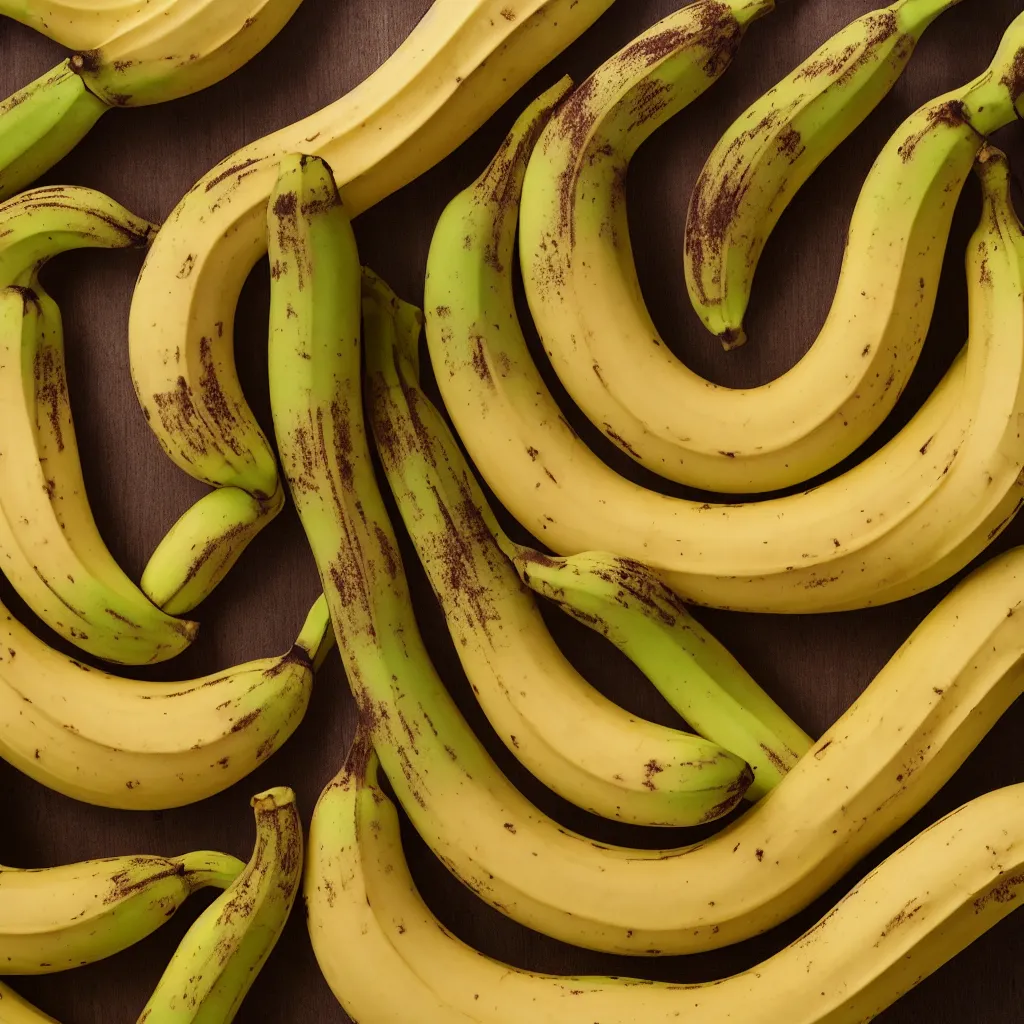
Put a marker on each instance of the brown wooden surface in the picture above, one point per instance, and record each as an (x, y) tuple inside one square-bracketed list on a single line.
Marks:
[(815, 667)]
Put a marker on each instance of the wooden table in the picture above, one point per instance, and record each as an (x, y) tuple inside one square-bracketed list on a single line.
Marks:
[(148, 158)]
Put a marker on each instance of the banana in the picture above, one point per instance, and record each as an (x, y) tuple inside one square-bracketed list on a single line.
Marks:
[(220, 956), (625, 602), (868, 775), (52, 919), (129, 55), (585, 298), (15, 1010), (771, 150), (574, 740), (139, 745), (50, 548), (463, 60), (913, 513), (388, 960)]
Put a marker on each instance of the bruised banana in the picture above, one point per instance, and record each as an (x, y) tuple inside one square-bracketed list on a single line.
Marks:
[(771, 150), (50, 548), (606, 761), (457, 67), (866, 777), (909, 516), (52, 919), (222, 953), (388, 959), (140, 745), (584, 295), (129, 55)]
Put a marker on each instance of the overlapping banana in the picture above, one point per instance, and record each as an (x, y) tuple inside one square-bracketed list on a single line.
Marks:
[(222, 953), (50, 548), (52, 919), (389, 960), (908, 517), (129, 55), (868, 775), (585, 298), (570, 737), (141, 745), (770, 151), (459, 65)]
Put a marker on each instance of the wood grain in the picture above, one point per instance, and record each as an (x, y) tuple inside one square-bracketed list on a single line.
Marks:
[(815, 667)]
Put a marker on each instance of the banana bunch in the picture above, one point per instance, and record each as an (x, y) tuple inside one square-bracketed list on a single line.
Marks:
[(586, 301), (129, 54), (52, 919), (50, 548), (220, 956), (140, 745), (388, 959), (868, 775), (463, 60), (905, 519), (607, 762)]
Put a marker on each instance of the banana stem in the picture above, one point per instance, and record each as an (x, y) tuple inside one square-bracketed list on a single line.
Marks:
[(41, 123), (208, 868), (316, 637)]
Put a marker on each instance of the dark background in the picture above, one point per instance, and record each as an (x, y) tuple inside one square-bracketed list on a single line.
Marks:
[(815, 667)]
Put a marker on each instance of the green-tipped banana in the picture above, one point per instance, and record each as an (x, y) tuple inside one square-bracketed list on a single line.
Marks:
[(52, 919), (609, 762), (627, 603), (771, 150), (41, 123), (388, 959), (138, 54), (586, 300), (206, 541), (140, 745), (220, 956), (16, 1010), (50, 548)]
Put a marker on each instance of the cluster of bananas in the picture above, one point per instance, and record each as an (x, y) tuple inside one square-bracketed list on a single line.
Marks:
[(345, 379)]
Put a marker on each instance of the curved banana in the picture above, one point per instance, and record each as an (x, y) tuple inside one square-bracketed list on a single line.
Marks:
[(929, 500), (129, 55), (868, 775), (585, 298), (771, 150), (388, 959), (15, 1010), (625, 602), (52, 919), (139, 745), (220, 956), (459, 65), (50, 548), (570, 737)]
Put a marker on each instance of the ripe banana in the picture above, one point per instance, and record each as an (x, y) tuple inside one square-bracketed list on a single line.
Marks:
[(15, 1010), (50, 548), (463, 60), (220, 956), (129, 55), (527, 688), (771, 150), (873, 770), (52, 919), (388, 960), (585, 298), (574, 740), (914, 513), (625, 602), (140, 745)]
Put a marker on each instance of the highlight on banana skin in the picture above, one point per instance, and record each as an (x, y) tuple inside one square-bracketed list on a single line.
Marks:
[(791, 813)]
